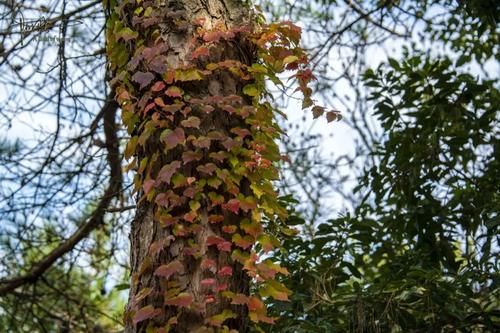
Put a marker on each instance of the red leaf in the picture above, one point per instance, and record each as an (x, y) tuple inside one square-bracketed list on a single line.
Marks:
[(221, 287), (201, 51), (158, 86), (208, 282), (148, 185), (207, 263), (224, 246), (225, 271), (143, 78), (216, 35), (181, 300), (145, 313), (148, 107), (168, 170), (168, 270), (214, 240), (232, 205)]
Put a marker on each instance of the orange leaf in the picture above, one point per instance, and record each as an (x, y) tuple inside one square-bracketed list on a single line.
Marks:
[(174, 91)]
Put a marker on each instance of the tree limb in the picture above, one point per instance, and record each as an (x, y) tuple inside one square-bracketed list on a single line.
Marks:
[(113, 157)]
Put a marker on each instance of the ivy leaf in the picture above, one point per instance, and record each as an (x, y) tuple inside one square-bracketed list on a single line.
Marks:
[(276, 290), (168, 270), (290, 59), (216, 218), (174, 91), (148, 185), (201, 142), (218, 156), (191, 155), (208, 282), (192, 122), (243, 242), (239, 299), (257, 311), (201, 51), (190, 74), (317, 111), (253, 228), (251, 90), (268, 270), (172, 138), (247, 204), (160, 85), (207, 263), (207, 169), (225, 271), (168, 170), (169, 76), (229, 229), (181, 300), (224, 246), (179, 180), (126, 34), (207, 108), (268, 242), (214, 240), (145, 313), (241, 132), (143, 78), (331, 116), (218, 319), (232, 205), (214, 182)]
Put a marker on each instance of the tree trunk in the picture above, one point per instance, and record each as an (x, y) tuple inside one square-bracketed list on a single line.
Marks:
[(171, 259)]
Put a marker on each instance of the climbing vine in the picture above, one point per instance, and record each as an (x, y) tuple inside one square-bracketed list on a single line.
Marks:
[(194, 173)]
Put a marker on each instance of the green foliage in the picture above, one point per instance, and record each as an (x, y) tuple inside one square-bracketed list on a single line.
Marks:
[(420, 253), (68, 298)]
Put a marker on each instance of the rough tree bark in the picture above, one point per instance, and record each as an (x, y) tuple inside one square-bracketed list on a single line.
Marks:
[(147, 231)]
